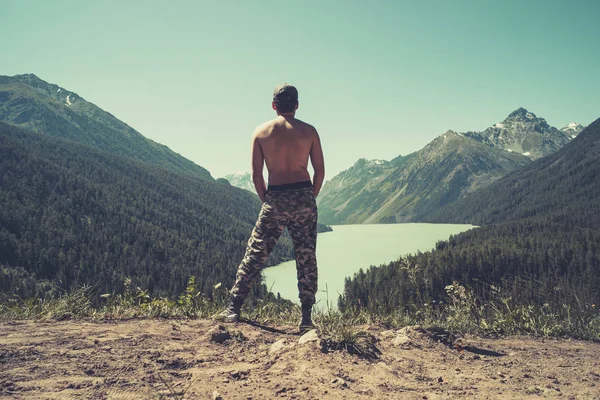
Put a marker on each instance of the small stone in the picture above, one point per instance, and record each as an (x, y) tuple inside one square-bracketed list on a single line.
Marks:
[(310, 336), (440, 380), (277, 347), (219, 334), (217, 396), (401, 340), (387, 334)]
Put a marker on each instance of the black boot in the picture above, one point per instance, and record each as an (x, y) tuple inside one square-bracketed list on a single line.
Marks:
[(232, 312), (306, 324)]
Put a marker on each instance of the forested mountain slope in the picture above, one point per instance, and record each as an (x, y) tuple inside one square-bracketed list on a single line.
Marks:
[(71, 214), (30, 102), (541, 247)]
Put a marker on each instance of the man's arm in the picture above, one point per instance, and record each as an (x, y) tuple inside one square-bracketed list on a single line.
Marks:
[(258, 161), (318, 164)]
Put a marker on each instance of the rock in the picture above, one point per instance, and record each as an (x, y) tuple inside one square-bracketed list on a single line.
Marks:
[(219, 334), (277, 347), (387, 334), (415, 331), (401, 340), (310, 336), (216, 396)]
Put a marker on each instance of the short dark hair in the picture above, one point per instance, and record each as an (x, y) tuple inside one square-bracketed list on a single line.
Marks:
[(285, 98), (285, 106)]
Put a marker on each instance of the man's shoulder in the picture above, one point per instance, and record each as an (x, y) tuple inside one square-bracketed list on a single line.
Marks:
[(264, 127), (305, 124)]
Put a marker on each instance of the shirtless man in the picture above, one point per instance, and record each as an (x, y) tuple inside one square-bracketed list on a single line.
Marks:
[(285, 144)]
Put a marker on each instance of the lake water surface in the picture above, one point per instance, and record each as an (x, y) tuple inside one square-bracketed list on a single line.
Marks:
[(349, 248)]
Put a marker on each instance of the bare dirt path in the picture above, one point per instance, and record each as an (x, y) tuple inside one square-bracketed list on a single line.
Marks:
[(150, 359)]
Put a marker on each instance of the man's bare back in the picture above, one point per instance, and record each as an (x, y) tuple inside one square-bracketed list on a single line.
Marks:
[(285, 145)]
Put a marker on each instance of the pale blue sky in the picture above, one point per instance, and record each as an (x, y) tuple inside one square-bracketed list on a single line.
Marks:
[(377, 78)]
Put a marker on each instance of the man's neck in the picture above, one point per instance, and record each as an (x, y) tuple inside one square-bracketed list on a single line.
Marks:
[(287, 115)]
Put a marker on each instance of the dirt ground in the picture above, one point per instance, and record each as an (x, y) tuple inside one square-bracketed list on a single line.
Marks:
[(152, 359)]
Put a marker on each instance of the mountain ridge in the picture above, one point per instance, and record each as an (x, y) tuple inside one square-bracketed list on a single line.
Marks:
[(30, 102), (452, 165)]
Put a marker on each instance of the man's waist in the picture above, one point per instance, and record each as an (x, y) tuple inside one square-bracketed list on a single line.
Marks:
[(290, 186)]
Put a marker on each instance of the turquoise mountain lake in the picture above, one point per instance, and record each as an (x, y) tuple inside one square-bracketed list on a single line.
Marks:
[(349, 248)]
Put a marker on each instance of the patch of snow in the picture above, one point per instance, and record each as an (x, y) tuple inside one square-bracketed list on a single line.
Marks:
[(573, 136), (526, 153), (509, 150), (573, 125), (58, 90), (529, 115), (68, 103), (499, 125)]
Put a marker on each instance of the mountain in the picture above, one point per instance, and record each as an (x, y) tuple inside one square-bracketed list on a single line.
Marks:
[(72, 214), (551, 186), (523, 132), (573, 129), (242, 180), (454, 164), (29, 102), (538, 246), (409, 188)]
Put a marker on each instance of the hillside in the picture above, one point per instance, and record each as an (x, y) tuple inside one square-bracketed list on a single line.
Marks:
[(72, 214), (539, 246), (30, 102), (564, 185), (410, 188)]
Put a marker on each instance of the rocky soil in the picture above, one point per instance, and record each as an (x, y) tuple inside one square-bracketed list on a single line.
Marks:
[(153, 359)]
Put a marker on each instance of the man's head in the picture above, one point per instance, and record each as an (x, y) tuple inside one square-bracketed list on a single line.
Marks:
[(285, 99)]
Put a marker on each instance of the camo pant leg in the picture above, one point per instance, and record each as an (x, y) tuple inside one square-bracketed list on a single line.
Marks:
[(302, 227), (266, 232)]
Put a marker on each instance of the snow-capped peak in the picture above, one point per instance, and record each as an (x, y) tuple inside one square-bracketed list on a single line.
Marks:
[(573, 129)]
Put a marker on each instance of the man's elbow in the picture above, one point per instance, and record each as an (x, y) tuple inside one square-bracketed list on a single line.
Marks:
[(257, 177)]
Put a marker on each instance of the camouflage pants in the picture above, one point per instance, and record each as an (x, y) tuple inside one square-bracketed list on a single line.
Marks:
[(297, 210)]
